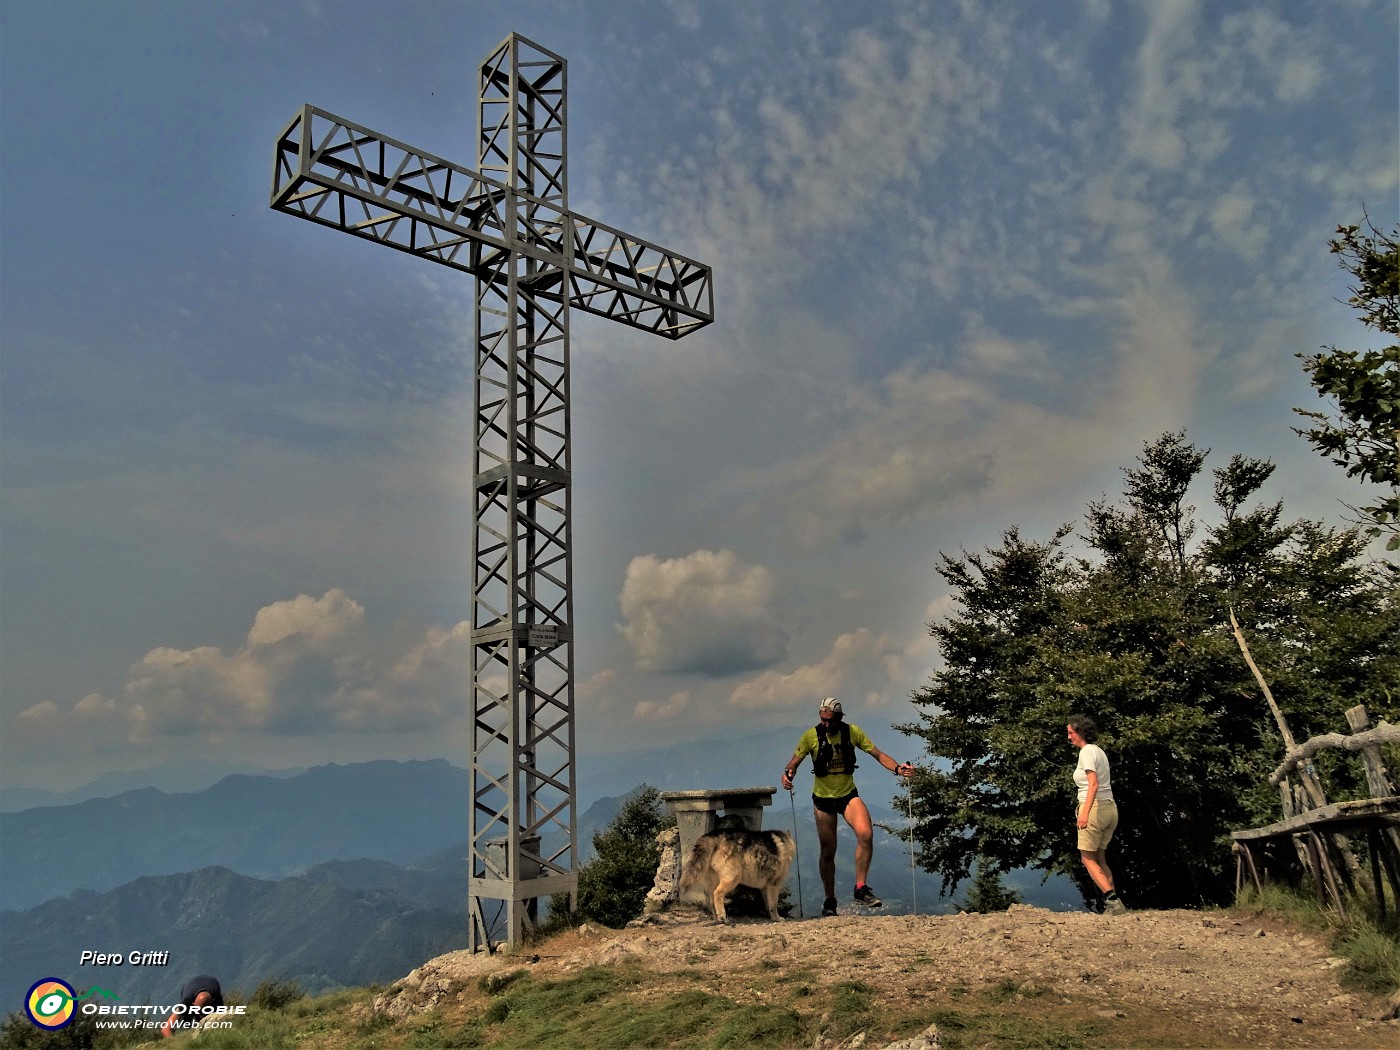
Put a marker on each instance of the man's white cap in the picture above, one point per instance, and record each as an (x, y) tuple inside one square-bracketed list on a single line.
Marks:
[(831, 704)]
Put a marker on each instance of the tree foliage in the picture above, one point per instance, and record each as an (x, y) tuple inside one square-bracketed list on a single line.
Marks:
[(987, 893), (1364, 386), (1134, 629), (612, 887)]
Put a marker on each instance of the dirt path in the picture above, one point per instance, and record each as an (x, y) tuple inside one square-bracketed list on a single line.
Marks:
[(1173, 978)]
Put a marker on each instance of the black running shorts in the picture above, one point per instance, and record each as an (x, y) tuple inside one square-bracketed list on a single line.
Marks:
[(835, 806)]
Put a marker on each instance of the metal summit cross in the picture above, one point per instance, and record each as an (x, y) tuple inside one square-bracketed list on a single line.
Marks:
[(533, 259)]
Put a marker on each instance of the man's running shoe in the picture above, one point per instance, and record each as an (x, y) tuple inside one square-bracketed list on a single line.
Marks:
[(866, 896), (1114, 907), (829, 906)]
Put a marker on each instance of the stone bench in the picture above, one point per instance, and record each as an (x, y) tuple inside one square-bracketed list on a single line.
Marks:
[(700, 812)]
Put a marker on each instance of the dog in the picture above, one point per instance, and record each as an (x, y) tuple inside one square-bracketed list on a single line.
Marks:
[(731, 857)]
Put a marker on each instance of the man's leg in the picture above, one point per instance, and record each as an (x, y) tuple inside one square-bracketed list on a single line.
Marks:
[(858, 817), (826, 838)]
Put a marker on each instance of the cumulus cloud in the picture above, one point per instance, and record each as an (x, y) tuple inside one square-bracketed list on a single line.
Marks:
[(868, 671), (706, 613), (306, 665), (665, 711), (317, 621), (429, 685)]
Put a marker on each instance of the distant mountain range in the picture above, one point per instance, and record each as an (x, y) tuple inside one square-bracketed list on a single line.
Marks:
[(261, 826), (337, 924), (347, 875), (340, 924), (173, 777)]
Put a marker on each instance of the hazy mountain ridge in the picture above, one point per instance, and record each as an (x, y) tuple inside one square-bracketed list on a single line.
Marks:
[(320, 929), (263, 826), (172, 777), (274, 826), (328, 921)]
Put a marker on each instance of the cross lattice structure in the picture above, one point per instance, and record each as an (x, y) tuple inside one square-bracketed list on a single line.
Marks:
[(508, 225)]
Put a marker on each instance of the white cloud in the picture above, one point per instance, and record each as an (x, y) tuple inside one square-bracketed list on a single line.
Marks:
[(1284, 55), (307, 666), (669, 710), (428, 686), (318, 622), (850, 139), (861, 668), (686, 13), (900, 457), (45, 716), (706, 613), (1154, 134)]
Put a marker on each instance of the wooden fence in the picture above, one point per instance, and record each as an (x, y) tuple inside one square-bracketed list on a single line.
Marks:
[(1313, 838)]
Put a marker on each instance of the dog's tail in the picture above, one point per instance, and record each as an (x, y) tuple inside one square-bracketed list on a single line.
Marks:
[(697, 863), (787, 847)]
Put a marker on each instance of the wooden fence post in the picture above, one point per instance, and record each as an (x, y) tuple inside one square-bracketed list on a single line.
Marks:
[(1376, 780)]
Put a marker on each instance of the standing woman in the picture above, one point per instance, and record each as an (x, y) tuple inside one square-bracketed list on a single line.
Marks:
[(1097, 813)]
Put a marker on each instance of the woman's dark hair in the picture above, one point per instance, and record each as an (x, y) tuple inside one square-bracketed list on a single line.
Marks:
[(1085, 727)]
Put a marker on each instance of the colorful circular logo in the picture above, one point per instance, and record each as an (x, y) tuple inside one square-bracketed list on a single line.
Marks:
[(50, 1004)]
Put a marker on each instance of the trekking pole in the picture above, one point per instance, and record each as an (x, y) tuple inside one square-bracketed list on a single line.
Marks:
[(796, 853)]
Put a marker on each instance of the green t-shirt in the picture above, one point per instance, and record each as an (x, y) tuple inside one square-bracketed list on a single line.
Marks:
[(833, 785)]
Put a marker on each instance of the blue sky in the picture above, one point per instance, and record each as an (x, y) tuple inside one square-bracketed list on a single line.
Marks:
[(969, 258)]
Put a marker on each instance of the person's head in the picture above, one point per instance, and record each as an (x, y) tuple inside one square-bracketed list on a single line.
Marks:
[(830, 710), (1084, 727)]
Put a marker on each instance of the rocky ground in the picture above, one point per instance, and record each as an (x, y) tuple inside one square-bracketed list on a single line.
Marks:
[(1149, 978)]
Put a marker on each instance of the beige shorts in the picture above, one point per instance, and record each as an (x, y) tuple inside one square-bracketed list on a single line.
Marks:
[(1103, 821)]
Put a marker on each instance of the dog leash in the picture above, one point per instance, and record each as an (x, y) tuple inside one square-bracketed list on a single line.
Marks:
[(796, 853)]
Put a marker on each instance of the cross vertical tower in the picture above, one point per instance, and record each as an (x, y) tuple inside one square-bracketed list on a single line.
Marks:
[(522, 633), (509, 226)]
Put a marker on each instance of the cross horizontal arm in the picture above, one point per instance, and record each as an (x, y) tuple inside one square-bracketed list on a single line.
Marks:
[(615, 275), (340, 174)]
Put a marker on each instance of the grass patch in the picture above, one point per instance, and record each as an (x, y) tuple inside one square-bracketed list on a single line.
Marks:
[(435, 1033), (1034, 1030), (598, 1009), (1029, 1027), (496, 983), (1369, 943), (1373, 959), (297, 1022), (275, 993), (1008, 990), (848, 1008)]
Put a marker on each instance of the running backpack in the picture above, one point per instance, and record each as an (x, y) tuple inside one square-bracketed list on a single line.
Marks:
[(837, 758)]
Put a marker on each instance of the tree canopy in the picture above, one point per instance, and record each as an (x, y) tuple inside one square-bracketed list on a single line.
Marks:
[(1128, 620), (1364, 437), (612, 887)]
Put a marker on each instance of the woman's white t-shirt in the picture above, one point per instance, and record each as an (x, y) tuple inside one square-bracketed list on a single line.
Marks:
[(1091, 756)]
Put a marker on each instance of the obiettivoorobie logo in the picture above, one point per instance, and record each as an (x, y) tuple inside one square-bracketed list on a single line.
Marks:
[(50, 1004), (53, 1004)]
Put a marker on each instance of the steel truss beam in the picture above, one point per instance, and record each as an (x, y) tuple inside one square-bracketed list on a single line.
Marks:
[(533, 259), (343, 175)]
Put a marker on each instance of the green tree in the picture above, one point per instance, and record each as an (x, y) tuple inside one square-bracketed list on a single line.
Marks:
[(1364, 436), (1133, 629), (612, 887), (987, 893)]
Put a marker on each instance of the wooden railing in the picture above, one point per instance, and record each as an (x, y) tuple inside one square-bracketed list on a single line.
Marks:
[(1313, 836)]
